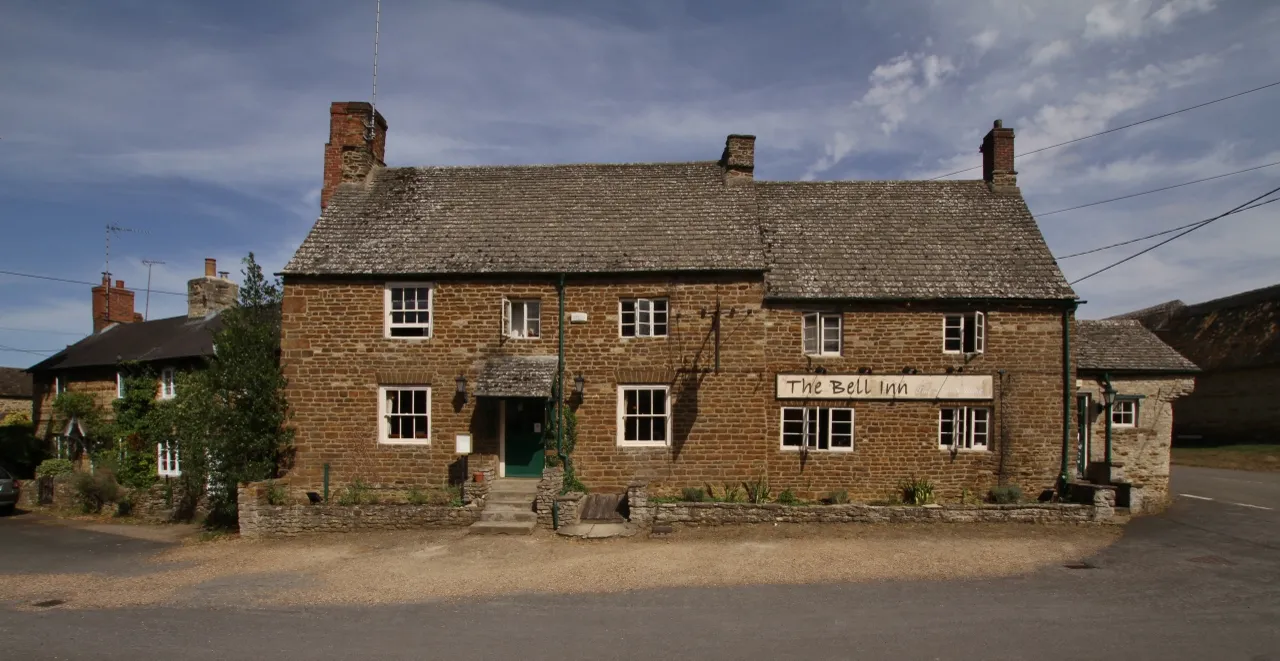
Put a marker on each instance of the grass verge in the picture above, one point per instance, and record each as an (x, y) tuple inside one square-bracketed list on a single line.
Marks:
[(1249, 457)]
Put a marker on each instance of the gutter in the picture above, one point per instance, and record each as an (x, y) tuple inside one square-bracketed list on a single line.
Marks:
[(558, 390), (1063, 475)]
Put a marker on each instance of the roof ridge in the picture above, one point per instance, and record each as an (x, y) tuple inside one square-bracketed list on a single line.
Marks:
[(536, 166)]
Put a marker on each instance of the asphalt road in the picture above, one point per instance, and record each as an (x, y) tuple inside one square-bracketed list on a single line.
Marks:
[(1200, 582)]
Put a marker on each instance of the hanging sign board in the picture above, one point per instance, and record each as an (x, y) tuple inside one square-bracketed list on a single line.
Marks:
[(884, 386), (463, 443)]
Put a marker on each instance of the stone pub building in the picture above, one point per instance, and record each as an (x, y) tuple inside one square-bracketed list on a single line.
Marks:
[(843, 335)]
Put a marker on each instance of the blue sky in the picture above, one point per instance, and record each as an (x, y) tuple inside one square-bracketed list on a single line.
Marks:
[(201, 125)]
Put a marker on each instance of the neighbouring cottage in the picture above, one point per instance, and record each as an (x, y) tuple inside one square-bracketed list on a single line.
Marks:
[(1129, 384), (1236, 343), (844, 335), (15, 391), (97, 364)]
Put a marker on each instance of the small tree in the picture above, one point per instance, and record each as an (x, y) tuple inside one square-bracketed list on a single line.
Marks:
[(136, 429)]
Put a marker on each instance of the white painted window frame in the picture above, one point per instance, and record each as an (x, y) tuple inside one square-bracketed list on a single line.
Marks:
[(388, 325), (168, 459), (518, 329), (168, 383), (645, 329), (622, 416), (965, 438), (979, 321), (119, 385), (1119, 413), (805, 435), (821, 335), (384, 414), (59, 386)]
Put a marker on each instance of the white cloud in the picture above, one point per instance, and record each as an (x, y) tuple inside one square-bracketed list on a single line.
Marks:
[(1128, 20), (902, 82), (1050, 52), (984, 40)]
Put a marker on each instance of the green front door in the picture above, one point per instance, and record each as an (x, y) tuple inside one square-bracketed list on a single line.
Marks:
[(525, 419)]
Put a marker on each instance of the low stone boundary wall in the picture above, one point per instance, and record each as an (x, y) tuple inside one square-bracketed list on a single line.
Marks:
[(716, 514), (259, 520)]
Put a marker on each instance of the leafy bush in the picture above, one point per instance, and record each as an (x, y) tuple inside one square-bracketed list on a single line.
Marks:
[(94, 490), (917, 491), (840, 497), (788, 497), (693, 495), (277, 494), (1006, 495), (356, 493), (729, 494), (758, 489), (417, 496), (55, 468)]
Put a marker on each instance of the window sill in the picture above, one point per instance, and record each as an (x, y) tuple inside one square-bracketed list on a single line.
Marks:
[(625, 338), (407, 337), (404, 441), (792, 448), (823, 355), (947, 449), (643, 444), (169, 474)]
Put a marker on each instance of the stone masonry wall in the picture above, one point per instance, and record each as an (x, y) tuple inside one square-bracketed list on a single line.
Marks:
[(725, 424), (1232, 406), (1143, 449), (259, 520), (717, 514), (14, 404)]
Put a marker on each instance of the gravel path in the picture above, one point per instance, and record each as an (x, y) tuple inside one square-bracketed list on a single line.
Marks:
[(433, 565)]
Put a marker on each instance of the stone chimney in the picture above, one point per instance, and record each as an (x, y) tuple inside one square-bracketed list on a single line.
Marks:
[(739, 158), (112, 305), (357, 144), (997, 158), (211, 293)]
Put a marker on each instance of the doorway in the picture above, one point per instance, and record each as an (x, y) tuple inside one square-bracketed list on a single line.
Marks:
[(523, 422), (1084, 432)]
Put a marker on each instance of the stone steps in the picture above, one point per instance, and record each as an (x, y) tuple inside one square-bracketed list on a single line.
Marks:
[(508, 508)]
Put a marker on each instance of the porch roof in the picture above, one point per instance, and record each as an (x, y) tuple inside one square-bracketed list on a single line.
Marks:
[(516, 376)]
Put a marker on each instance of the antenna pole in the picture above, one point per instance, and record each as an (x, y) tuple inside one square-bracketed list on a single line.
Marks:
[(146, 314), (106, 265), (373, 104)]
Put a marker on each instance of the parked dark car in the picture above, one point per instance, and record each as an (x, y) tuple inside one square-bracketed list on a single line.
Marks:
[(8, 492)]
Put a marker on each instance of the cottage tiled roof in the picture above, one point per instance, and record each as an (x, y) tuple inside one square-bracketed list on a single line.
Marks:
[(1238, 331), (535, 219), (174, 338), (14, 382), (1125, 345), (517, 376), (904, 240)]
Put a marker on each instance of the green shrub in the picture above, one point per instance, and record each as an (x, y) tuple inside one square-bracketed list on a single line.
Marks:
[(693, 495), (917, 491), (840, 497), (94, 490), (417, 496), (356, 493), (55, 468), (277, 494), (788, 497), (1006, 495), (758, 489)]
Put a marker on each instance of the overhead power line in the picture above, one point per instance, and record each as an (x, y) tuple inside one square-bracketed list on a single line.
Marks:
[(1119, 128), (78, 282), (35, 351), (1157, 190), (1181, 234), (1152, 236), (39, 330)]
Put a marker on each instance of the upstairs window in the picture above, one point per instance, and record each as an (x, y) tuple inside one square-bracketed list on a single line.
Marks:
[(408, 310), (643, 317), (406, 414), (815, 428), (168, 464), (1124, 413), (964, 428), (964, 333), (168, 383), (822, 334), (59, 385), (521, 319), (119, 385)]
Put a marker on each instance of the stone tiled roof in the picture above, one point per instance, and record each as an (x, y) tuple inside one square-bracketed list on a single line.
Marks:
[(517, 376), (1125, 345), (174, 338), (1238, 331), (904, 240), (535, 219), (15, 382)]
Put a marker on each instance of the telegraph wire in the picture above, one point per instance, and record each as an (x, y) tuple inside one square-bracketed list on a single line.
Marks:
[(38, 330), (1119, 128), (1156, 190), (1152, 236), (78, 282), (1185, 232)]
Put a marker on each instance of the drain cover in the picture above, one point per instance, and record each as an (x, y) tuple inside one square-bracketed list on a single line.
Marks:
[(1211, 560), (49, 603)]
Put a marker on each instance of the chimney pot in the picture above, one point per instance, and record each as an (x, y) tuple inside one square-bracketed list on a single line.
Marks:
[(739, 158), (997, 158), (119, 284), (357, 144), (210, 267)]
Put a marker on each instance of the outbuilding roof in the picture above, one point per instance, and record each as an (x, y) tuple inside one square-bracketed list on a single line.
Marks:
[(1125, 345), (15, 382), (173, 338)]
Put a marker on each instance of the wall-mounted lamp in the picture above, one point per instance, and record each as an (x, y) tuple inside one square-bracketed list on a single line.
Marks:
[(461, 382), (819, 370), (1109, 395), (864, 370), (579, 384), (910, 370)]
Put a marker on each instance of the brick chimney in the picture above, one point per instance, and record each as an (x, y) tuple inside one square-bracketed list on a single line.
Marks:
[(357, 144), (112, 305), (739, 158), (211, 293), (997, 158)]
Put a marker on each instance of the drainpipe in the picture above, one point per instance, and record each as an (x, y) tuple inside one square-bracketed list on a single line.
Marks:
[(1063, 476), (1108, 396), (559, 393)]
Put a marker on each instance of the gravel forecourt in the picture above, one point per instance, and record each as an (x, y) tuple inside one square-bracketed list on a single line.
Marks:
[(373, 568)]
